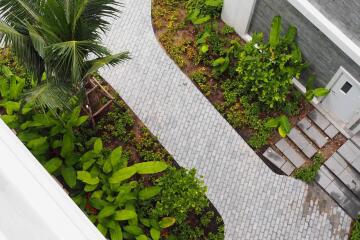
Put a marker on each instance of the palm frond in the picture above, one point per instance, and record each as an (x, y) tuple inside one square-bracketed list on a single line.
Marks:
[(112, 60), (22, 46), (25, 10), (50, 96)]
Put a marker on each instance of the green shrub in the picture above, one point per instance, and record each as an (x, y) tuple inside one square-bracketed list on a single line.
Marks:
[(265, 70), (201, 78), (181, 194), (308, 173), (115, 124), (355, 233)]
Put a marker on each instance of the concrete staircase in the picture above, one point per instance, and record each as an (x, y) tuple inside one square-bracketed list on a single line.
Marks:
[(340, 174), (302, 143)]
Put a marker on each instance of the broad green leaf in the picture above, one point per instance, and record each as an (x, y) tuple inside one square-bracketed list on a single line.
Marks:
[(4, 88), (275, 31), (86, 177), (167, 222), (155, 234), (68, 144), (290, 35), (98, 203), (218, 62), (150, 167), (9, 118), (204, 48), (282, 132), (116, 232), (320, 92), (107, 211), (69, 175), (81, 120), (38, 143), (107, 167), (285, 123), (142, 237), (11, 107), (53, 165), (124, 215), (214, 3), (98, 146), (102, 229), (134, 230), (115, 156), (272, 123), (88, 164), (149, 192), (123, 174), (145, 221), (201, 20), (90, 187)]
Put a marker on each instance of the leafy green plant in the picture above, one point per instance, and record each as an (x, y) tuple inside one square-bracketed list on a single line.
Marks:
[(308, 173), (265, 70), (312, 92), (202, 11), (181, 193), (57, 37), (282, 123)]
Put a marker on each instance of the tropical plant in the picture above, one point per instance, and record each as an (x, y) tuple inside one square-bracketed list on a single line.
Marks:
[(265, 70), (60, 39), (202, 11), (312, 92), (282, 123)]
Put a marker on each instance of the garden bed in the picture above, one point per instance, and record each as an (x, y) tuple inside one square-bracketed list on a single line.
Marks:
[(116, 170), (215, 58)]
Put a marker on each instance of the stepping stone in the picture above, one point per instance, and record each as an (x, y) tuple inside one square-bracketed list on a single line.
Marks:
[(331, 131), (290, 153), (319, 119), (288, 168), (312, 132), (302, 143), (351, 153), (338, 191), (274, 157), (279, 161)]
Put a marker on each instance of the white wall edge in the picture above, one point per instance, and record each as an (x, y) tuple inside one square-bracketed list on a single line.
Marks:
[(328, 28), (40, 194)]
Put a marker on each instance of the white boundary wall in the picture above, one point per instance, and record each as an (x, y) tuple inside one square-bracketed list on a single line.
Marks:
[(32, 204)]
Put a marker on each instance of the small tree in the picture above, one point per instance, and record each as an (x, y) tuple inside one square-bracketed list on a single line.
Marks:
[(60, 38)]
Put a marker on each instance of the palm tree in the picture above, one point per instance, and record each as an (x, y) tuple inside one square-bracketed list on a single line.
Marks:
[(61, 38)]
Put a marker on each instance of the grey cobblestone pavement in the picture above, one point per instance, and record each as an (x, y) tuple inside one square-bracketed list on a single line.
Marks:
[(254, 202)]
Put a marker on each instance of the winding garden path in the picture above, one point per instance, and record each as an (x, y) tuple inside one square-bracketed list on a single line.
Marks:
[(254, 202)]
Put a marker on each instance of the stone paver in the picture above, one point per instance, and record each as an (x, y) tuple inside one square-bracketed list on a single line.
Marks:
[(319, 119), (312, 132), (302, 143), (331, 131), (254, 202), (290, 153)]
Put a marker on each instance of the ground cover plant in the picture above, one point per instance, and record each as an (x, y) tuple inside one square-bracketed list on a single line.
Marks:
[(116, 172), (355, 231), (249, 83), (308, 173)]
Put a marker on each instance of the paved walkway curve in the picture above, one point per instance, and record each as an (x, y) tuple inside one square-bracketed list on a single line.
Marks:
[(254, 202)]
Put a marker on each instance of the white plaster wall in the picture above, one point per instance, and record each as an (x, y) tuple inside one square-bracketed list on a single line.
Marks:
[(32, 205)]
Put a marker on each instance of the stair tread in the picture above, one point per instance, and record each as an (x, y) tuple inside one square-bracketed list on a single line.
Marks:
[(297, 137), (279, 161), (344, 172), (351, 154), (290, 153), (338, 191), (312, 132), (319, 119)]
